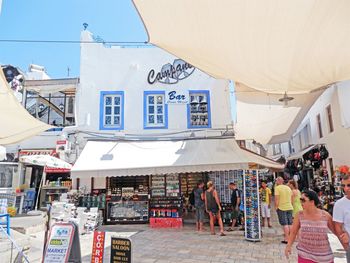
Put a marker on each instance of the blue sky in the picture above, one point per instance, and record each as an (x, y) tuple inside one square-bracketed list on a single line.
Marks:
[(112, 20)]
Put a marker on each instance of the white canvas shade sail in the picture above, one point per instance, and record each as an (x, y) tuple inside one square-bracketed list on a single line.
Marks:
[(273, 46), (16, 124), (106, 158), (262, 117)]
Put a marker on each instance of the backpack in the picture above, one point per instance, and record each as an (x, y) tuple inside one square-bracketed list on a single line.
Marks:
[(191, 197)]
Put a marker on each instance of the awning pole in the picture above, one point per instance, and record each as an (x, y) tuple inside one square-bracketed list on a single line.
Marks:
[(39, 190)]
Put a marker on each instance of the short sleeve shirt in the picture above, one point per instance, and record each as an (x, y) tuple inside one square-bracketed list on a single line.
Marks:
[(341, 213), (265, 195), (234, 196), (198, 202), (285, 197)]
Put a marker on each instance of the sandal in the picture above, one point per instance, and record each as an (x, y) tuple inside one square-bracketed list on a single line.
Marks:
[(284, 242), (222, 234), (212, 233), (229, 229)]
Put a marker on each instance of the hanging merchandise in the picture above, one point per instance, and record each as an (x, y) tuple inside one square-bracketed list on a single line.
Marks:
[(323, 152), (252, 206), (300, 165)]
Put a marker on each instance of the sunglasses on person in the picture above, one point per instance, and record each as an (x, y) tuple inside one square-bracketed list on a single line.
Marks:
[(343, 185), (303, 200)]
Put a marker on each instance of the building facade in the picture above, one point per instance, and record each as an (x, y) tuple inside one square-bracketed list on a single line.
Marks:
[(138, 92), (327, 124)]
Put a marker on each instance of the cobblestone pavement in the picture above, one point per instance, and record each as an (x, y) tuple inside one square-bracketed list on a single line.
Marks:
[(186, 245)]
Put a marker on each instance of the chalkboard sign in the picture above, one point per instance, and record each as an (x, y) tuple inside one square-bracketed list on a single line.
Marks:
[(120, 250)]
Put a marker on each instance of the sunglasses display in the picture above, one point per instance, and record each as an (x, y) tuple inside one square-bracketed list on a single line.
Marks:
[(251, 206), (222, 180)]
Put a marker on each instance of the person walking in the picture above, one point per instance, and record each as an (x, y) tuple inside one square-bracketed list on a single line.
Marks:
[(312, 224), (213, 208), (199, 205), (284, 207), (296, 195), (235, 201), (341, 216), (265, 197)]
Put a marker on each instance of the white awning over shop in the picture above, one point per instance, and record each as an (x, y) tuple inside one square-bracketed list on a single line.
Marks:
[(107, 158), (273, 46), (50, 163)]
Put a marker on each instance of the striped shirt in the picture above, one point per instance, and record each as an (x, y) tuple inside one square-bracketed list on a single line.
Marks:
[(313, 240)]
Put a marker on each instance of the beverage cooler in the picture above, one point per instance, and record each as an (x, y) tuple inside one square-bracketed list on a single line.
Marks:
[(251, 205)]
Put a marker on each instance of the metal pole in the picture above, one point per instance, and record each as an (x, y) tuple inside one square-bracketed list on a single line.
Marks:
[(64, 110), (49, 109), (14, 243), (47, 229), (39, 190)]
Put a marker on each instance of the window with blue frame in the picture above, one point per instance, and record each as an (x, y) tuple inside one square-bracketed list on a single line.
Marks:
[(198, 111), (155, 110), (112, 110)]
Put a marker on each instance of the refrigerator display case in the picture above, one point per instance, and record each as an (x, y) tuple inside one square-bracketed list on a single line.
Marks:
[(251, 205), (127, 211)]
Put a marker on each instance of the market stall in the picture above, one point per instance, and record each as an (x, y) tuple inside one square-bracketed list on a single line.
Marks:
[(308, 168), (51, 181), (158, 176)]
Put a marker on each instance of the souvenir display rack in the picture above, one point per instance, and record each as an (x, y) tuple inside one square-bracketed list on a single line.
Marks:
[(165, 202), (189, 182), (222, 180), (252, 206)]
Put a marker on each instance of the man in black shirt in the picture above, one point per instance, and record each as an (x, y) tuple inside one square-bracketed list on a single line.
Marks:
[(235, 201)]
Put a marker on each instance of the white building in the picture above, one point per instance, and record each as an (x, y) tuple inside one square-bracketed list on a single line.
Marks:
[(327, 122), (126, 92)]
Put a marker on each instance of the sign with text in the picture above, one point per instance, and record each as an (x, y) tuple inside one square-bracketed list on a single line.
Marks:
[(59, 244), (171, 73), (120, 250), (98, 246), (177, 97)]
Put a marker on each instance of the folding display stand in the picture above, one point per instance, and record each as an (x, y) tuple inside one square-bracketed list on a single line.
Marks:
[(251, 205)]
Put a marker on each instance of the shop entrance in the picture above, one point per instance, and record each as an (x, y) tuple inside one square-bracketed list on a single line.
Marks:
[(188, 183)]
